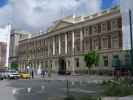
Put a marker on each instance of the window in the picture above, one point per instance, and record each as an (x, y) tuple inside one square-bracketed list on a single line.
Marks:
[(127, 59), (96, 44), (114, 24), (68, 63), (109, 25), (99, 28), (95, 29), (105, 43), (77, 62), (119, 22), (103, 28), (115, 42), (105, 59)]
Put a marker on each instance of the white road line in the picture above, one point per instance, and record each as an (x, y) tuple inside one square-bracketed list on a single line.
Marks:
[(42, 87), (14, 91), (73, 83), (28, 90)]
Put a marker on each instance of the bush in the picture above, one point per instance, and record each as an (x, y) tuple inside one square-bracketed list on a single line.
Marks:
[(117, 88)]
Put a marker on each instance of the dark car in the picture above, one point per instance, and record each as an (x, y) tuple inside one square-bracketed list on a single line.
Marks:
[(1, 76), (64, 72)]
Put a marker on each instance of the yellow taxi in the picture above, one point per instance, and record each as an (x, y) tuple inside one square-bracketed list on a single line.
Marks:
[(25, 75)]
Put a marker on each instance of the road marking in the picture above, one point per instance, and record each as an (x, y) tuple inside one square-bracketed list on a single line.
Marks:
[(42, 87), (78, 90), (28, 90), (80, 82), (73, 83), (14, 91)]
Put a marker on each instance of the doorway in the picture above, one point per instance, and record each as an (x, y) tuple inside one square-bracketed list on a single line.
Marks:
[(62, 66)]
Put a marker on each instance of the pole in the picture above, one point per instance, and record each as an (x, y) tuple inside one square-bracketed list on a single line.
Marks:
[(131, 36), (67, 88)]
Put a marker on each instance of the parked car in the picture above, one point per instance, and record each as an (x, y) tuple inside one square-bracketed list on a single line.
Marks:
[(25, 75), (64, 72), (1, 76), (12, 74)]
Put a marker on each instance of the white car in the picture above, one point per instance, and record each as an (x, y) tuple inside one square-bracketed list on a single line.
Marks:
[(13, 74)]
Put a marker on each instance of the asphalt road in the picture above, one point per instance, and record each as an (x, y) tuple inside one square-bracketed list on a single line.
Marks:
[(39, 89)]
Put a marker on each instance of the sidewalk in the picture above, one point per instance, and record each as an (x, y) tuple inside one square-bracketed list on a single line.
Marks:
[(75, 77)]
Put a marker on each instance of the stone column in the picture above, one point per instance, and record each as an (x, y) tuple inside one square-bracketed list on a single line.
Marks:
[(48, 44), (53, 45), (59, 45), (73, 65), (81, 40), (66, 43)]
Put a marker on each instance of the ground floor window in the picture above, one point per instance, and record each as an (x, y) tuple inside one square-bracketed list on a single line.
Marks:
[(105, 59), (77, 62), (127, 59), (68, 63)]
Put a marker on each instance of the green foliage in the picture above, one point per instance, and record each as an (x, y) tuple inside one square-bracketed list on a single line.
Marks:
[(83, 98), (91, 58), (70, 98), (117, 88), (14, 66)]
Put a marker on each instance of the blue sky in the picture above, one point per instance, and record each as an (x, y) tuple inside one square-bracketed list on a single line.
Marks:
[(105, 3), (3, 2), (108, 3)]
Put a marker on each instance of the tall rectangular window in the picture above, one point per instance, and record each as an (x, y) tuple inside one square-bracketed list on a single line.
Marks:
[(105, 59), (105, 43)]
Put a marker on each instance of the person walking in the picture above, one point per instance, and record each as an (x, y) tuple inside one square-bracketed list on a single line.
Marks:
[(32, 74), (43, 73)]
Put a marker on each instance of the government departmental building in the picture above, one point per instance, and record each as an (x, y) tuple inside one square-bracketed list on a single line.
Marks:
[(63, 46)]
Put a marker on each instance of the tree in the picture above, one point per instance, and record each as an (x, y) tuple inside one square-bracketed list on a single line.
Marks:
[(91, 58), (14, 66)]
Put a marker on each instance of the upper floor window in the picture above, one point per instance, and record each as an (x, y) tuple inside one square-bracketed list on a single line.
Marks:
[(114, 24), (115, 41), (105, 43), (105, 59), (77, 62), (95, 29), (108, 25), (104, 27), (95, 44)]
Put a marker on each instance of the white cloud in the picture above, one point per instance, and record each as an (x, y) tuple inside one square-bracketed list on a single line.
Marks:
[(35, 15), (125, 6)]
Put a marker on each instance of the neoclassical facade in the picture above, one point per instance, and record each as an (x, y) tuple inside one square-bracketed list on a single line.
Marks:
[(63, 46)]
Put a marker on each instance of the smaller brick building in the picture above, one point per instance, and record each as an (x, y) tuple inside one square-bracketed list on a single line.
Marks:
[(3, 47)]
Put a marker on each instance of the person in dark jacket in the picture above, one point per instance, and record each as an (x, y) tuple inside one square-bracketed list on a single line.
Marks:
[(32, 74)]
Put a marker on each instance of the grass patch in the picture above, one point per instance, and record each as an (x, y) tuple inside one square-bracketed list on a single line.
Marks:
[(118, 88), (83, 98)]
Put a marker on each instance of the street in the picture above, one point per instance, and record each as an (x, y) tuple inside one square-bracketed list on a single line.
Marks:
[(46, 89)]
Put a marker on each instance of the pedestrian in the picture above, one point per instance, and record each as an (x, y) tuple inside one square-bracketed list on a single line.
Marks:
[(43, 73), (32, 74)]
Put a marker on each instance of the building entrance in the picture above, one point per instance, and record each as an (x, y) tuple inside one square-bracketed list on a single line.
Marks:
[(62, 66)]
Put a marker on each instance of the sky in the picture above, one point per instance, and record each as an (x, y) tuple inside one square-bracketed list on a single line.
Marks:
[(36, 15)]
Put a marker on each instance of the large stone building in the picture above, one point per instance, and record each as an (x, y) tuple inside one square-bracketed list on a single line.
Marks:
[(3, 47), (62, 48)]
